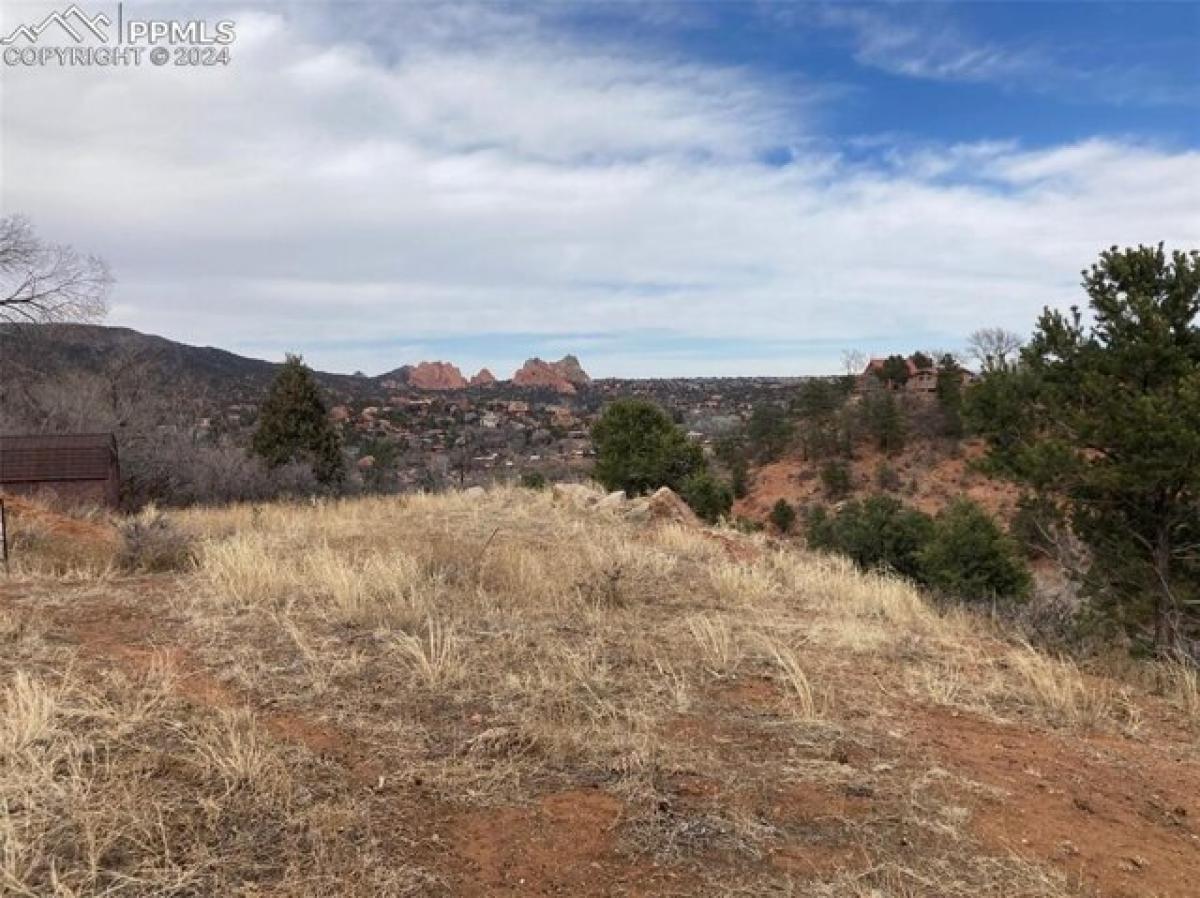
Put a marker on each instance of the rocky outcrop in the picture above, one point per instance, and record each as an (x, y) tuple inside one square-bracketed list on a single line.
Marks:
[(435, 376), (568, 366), (484, 378), (667, 505), (563, 376), (580, 495)]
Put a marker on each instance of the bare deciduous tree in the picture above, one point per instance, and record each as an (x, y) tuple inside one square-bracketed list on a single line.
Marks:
[(994, 348), (43, 282), (853, 361)]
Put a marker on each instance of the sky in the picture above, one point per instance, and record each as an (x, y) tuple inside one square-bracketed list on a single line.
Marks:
[(663, 189)]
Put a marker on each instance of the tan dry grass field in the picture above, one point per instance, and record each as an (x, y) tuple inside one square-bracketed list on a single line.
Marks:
[(507, 695)]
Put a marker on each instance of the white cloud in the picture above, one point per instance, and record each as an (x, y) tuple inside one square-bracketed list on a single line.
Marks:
[(465, 176)]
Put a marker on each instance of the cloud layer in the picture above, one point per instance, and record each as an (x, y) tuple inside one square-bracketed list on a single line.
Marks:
[(369, 198)]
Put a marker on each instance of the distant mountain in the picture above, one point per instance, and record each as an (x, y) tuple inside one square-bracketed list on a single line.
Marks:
[(52, 350), (49, 351)]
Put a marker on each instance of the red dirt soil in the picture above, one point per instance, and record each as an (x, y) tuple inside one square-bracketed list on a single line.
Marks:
[(97, 532), (1118, 815), (928, 481)]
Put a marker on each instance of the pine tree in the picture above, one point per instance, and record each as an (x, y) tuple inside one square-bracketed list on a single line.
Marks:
[(1102, 417), (294, 425), (949, 394), (639, 449)]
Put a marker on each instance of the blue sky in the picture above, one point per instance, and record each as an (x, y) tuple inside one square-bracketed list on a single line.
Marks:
[(664, 189)]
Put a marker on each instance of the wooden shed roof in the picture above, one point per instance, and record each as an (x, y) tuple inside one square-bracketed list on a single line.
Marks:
[(40, 458)]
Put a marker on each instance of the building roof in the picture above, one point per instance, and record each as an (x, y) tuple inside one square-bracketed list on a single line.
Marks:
[(43, 458), (876, 364)]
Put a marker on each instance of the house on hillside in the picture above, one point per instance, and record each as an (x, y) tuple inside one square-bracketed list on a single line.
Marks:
[(73, 469), (921, 381)]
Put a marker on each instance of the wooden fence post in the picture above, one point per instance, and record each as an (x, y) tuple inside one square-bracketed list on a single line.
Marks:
[(4, 534)]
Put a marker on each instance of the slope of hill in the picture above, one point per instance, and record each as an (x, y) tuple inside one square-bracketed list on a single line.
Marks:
[(48, 351), (924, 476), (488, 694)]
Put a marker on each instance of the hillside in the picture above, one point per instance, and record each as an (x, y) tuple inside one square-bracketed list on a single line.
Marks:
[(512, 693), (62, 349), (926, 476)]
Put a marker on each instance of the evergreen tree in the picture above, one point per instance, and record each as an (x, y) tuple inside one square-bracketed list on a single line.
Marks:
[(885, 420), (293, 425), (968, 556), (769, 431), (639, 449), (783, 515), (1103, 417), (708, 497), (893, 371), (949, 395)]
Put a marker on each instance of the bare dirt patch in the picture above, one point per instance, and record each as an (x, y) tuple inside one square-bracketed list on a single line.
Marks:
[(1120, 816)]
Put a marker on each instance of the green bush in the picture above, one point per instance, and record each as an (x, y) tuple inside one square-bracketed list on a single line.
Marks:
[(707, 496), (887, 478), (639, 449), (533, 480), (739, 478), (885, 421), (783, 516), (970, 557), (962, 552), (835, 476), (769, 431), (878, 532)]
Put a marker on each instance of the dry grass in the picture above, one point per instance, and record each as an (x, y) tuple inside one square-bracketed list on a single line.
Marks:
[(373, 670), (1059, 690)]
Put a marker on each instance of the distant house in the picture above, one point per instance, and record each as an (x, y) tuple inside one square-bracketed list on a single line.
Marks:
[(922, 380), (76, 469)]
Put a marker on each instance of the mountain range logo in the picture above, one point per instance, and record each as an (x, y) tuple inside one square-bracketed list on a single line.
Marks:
[(72, 20)]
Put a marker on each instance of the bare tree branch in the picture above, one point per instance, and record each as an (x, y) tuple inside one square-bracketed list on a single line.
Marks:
[(994, 348), (43, 282)]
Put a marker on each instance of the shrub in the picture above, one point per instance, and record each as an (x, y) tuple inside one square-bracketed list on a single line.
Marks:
[(886, 477), (739, 478), (835, 476), (533, 480), (769, 431), (970, 557), (151, 543), (878, 532), (783, 516), (639, 449), (707, 496), (885, 421)]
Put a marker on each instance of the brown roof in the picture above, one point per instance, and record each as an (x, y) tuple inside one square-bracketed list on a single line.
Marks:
[(55, 457)]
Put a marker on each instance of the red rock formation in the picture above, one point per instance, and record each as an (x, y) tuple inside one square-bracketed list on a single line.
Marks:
[(536, 373), (484, 378), (436, 376), (562, 376), (568, 366)]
